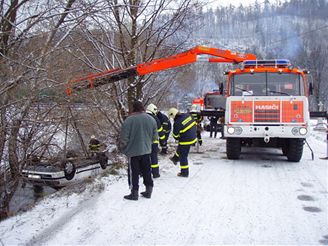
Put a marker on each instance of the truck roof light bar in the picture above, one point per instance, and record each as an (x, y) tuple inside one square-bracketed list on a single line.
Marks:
[(278, 63)]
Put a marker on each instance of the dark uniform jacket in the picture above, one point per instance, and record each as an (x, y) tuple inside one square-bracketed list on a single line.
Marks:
[(197, 118), (94, 145), (214, 120), (160, 131), (165, 122), (184, 129)]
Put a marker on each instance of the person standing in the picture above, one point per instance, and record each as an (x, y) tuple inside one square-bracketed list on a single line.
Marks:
[(94, 145), (213, 125), (166, 124), (198, 119), (184, 130), (152, 110), (138, 132)]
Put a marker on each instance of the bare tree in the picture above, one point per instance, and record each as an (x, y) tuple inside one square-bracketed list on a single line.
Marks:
[(31, 33), (132, 32), (45, 44)]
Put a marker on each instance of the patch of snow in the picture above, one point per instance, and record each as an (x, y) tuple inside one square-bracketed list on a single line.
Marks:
[(259, 199)]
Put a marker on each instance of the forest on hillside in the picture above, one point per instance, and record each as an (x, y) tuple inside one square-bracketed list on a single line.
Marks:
[(45, 45), (296, 30)]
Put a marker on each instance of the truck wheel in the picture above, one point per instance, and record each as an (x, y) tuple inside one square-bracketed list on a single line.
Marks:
[(69, 170), (233, 148), (284, 147), (295, 149)]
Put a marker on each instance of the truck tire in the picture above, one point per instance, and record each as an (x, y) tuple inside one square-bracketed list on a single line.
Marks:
[(284, 147), (69, 170), (233, 148), (295, 149)]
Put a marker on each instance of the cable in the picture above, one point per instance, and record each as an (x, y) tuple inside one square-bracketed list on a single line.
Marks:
[(298, 35)]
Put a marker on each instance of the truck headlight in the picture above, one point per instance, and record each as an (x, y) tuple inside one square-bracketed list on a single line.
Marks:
[(303, 131), (231, 130), (299, 131)]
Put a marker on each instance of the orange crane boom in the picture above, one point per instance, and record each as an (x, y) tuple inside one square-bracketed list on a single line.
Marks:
[(181, 59)]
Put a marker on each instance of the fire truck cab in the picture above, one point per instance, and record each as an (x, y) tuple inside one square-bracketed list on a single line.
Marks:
[(267, 106)]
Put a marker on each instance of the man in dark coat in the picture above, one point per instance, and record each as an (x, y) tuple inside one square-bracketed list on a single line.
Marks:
[(138, 132), (184, 130), (213, 125)]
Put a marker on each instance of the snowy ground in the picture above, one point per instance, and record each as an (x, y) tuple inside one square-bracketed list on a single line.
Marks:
[(259, 199)]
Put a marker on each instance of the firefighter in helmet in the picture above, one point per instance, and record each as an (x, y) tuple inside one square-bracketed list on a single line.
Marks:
[(94, 145), (152, 110), (198, 119), (166, 124), (184, 130)]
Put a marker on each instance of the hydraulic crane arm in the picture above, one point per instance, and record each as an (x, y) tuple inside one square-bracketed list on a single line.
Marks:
[(181, 59)]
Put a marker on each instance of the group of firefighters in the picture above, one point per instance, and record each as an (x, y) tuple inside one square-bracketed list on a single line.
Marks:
[(186, 130)]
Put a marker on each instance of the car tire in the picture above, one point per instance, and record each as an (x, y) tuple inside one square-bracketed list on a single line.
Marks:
[(103, 160), (69, 170)]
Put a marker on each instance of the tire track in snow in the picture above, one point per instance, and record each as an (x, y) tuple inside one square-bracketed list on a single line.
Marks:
[(60, 223)]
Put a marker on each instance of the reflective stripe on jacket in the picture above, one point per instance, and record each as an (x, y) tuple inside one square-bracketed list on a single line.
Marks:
[(165, 122), (184, 129), (161, 134)]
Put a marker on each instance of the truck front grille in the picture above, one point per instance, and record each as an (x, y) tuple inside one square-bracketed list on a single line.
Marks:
[(266, 115)]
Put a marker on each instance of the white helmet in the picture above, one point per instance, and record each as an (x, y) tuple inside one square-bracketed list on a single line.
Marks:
[(151, 108), (172, 112), (193, 108), (93, 137)]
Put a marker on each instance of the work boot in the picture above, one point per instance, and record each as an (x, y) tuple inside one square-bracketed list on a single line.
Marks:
[(184, 175), (147, 193), (133, 196), (155, 172), (174, 159), (157, 175)]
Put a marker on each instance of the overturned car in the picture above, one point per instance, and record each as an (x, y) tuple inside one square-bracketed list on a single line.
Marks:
[(60, 172)]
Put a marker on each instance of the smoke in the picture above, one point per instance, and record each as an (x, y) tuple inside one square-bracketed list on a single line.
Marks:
[(283, 41)]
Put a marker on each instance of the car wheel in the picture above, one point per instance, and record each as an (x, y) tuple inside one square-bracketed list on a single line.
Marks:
[(103, 160), (69, 170)]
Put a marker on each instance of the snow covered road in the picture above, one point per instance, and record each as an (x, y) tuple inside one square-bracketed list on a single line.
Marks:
[(259, 199)]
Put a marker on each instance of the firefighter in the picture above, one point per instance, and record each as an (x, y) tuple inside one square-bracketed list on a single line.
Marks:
[(198, 119), (184, 130), (94, 145), (152, 110), (213, 125), (166, 124)]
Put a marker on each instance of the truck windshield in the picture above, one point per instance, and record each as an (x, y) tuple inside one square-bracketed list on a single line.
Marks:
[(214, 101), (267, 84)]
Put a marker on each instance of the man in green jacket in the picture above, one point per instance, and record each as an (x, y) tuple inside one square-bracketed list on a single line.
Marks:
[(138, 132)]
